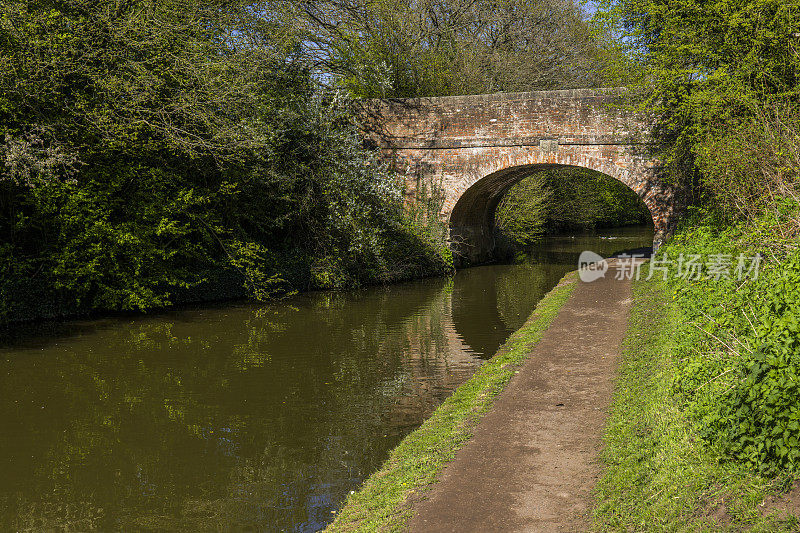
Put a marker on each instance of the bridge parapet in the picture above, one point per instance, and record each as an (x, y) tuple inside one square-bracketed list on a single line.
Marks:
[(571, 117)]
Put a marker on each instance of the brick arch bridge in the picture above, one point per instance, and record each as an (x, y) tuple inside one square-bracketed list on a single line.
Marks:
[(473, 148)]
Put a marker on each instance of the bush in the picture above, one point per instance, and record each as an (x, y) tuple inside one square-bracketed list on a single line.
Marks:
[(747, 167), (739, 367), (190, 150), (739, 374), (760, 419)]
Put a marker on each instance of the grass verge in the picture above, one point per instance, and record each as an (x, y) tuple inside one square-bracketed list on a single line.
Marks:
[(659, 474), (384, 501)]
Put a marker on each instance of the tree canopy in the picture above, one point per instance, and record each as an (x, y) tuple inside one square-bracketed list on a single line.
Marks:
[(383, 48), (704, 68)]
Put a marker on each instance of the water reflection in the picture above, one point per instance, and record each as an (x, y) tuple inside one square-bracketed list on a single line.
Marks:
[(242, 417)]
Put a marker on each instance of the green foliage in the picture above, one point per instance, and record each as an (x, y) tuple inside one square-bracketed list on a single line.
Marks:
[(746, 170), (151, 149), (760, 420), (583, 198), (387, 48), (704, 66), (522, 213), (566, 199), (738, 372), (721, 79), (762, 415), (660, 474)]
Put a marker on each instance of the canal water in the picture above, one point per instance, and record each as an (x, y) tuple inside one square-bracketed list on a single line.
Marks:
[(248, 416)]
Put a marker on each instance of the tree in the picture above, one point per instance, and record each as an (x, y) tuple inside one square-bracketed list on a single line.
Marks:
[(706, 66), (383, 48), (566, 199), (522, 213), (153, 151)]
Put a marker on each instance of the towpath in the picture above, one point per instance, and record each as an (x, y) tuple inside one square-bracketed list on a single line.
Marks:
[(533, 460)]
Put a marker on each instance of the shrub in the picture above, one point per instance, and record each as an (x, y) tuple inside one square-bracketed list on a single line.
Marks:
[(738, 374), (191, 148)]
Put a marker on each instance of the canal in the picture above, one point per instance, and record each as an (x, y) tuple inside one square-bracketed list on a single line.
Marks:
[(248, 416)]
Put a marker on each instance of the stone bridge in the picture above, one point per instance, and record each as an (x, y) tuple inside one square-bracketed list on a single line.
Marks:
[(471, 149)]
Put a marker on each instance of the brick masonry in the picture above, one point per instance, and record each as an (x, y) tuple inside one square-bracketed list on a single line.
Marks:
[(473, 148)]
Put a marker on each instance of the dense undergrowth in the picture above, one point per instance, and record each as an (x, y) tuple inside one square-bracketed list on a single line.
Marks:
[(721, 80), (706, 421), (739, 373), (660, 473), (739, 370), (158, 152)]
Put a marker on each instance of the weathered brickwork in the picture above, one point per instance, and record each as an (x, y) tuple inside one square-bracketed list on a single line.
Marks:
[(475, 147)]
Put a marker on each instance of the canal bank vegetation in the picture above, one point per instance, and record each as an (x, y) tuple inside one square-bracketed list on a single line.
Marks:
[(661, 474), (159, 152), (706, 422), (384, 501)]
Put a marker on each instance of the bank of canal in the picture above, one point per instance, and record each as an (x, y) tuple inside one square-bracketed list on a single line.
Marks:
[(245, 416)]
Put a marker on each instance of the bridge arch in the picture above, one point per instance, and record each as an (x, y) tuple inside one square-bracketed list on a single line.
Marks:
[(473, 148), (471, 218)]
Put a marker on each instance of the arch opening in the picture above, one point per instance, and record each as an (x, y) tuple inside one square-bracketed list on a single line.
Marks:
[(474, 236)]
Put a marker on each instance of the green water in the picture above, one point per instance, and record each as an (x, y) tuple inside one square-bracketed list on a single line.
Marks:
[(244, 416)]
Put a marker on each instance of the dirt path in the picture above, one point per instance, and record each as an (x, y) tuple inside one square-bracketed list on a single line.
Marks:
[(532, 463)]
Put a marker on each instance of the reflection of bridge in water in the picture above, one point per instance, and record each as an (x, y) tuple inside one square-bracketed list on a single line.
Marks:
[(477, 312), (463, 322)]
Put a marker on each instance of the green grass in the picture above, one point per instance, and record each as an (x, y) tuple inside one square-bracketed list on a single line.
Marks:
[(384, 502), (659, 475)]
